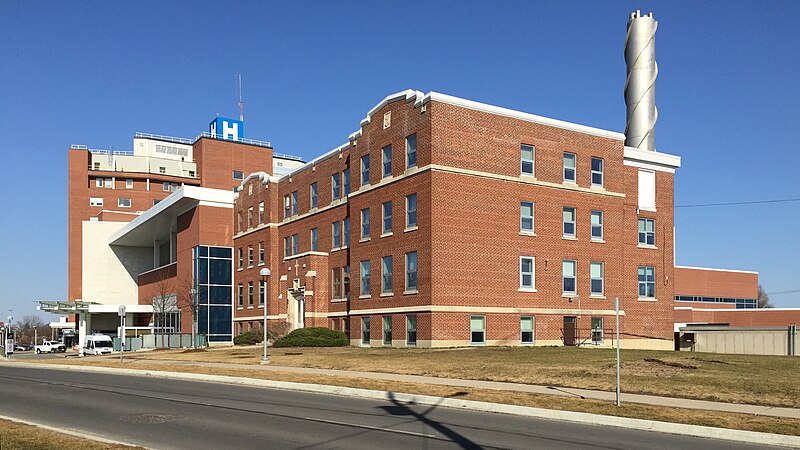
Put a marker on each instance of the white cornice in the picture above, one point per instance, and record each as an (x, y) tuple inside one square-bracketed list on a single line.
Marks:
[(716, 270), (655, 160)]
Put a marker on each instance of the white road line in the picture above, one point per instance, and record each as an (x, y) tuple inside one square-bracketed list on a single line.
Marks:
[(368, 427)]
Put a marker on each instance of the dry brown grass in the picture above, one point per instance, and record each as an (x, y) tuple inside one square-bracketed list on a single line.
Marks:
[(676, 415), (761, 380), (18, 436)]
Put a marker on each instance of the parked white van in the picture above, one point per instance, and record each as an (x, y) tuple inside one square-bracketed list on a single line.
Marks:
[(98, 344)]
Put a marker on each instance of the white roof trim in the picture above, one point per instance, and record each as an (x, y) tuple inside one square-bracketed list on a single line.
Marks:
[(263, 176), (736, 309), (665, 160), (715, 270)]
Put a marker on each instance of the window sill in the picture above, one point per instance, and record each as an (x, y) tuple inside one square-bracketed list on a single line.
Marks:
[(647, 299), (338, 300), (651, 247), (598, 296), (366, 239), (528, 177), (599, 241), (260, 306), (364, 297), (240, 308), (411, 292), (527, 233), (240, 269), (387, 294), (569, 238), (414, 228), (249, 307), (570, 183), (387, 234), (335, 249), (527, 290), (260, 264), (569, 295), (250, 266), (598, 187)]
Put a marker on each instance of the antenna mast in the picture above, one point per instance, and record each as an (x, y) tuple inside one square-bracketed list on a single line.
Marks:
[(241, 105)]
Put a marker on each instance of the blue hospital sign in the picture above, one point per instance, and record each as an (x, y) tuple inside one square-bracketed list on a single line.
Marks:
[(228, 129)]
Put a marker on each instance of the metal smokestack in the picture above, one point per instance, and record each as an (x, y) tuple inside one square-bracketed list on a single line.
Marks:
[(640, 84)]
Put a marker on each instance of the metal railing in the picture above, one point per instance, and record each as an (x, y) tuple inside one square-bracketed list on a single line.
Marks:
[(221, 137), (99, 151), (78, 147), (177, 140), (588, 336)]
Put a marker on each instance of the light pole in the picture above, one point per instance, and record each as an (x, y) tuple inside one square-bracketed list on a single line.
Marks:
[(193, 299), (6, 341), (265, 273), (121, 313)]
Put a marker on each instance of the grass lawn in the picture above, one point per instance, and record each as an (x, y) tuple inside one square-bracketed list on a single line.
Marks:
[(759, 380), (18, 436)]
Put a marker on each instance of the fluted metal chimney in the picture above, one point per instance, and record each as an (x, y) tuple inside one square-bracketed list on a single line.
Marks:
[(640, 84)]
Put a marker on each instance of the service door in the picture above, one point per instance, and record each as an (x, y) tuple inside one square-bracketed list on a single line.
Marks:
[(569, 330)]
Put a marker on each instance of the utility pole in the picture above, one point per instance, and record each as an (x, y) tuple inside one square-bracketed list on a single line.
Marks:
[(616, 310)]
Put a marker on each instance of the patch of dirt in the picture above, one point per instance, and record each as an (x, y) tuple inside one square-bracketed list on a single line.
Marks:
[(677, 364), (195, 350)]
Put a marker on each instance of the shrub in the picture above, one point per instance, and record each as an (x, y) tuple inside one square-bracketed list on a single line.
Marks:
[(313, 337), (246, 338)]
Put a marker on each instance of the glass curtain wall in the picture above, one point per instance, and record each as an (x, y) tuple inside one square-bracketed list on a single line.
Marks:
[(213, 279)]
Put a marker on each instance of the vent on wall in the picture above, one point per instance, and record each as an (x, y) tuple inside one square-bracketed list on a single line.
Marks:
[(296, 284), (387, 120)]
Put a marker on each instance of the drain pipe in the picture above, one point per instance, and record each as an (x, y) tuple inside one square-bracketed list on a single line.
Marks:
[(792, 339)]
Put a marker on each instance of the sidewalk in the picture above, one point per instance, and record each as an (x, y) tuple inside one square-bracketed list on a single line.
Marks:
[(790, 413)]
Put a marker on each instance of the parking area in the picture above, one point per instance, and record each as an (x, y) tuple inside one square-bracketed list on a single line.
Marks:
[(31, 355)]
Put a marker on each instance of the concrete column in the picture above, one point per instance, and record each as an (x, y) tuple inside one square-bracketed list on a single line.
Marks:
[(84, 328)]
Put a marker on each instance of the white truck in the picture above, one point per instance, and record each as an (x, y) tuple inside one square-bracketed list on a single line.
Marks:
[(50, 347), (98, 344)]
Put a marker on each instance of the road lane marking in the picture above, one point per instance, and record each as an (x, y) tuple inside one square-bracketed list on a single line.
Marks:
[(369, 427)]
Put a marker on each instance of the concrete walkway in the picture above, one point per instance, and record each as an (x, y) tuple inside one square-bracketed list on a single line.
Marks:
[(791, 413)]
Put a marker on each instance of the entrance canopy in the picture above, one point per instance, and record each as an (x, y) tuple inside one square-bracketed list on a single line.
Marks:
[(82, 307)]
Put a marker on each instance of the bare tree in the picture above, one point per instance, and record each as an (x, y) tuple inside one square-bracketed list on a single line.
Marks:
[(186, 299), (162, 302), (29, 327), (763, 298)]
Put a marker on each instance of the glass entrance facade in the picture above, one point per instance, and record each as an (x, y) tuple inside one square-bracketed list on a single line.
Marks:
[(213, 280)]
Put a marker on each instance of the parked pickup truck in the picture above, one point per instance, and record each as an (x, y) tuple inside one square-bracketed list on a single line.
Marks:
[(50, 347)]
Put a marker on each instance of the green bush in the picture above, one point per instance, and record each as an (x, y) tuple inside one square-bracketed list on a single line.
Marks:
[(313, 337), (247, 338)]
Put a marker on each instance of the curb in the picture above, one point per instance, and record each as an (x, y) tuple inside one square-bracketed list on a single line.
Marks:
[(751, 437), (82, 435)]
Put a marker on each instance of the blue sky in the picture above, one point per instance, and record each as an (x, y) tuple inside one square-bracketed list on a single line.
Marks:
[(96, 72)]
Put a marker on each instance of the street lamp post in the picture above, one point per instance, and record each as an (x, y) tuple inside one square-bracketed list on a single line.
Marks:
[(265, 273)]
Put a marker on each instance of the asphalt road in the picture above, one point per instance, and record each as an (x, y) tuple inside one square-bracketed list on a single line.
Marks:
[(168, 414)]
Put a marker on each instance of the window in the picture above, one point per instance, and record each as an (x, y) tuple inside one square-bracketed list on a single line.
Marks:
[(386, 275), (124, 202), (165, 186), (526, 329), (569, 222), (387, 218), (249, 218), (314, 240), (336, 186), (262, 293), (250, 256), (162, 169), (387, 330), (241, 296), (597, 171), (239, 221), (295, 244), (294, 203), (411, 151), (129, 184), (365, 331), (365, 170), (596, 270), (238, 175), (250, 294), (527, 272), (597, 330), (96, 201), (386, 152), (287, 205), (568, 276), (526, 217), (526, 156), (364, 278), (346, 181), (98, 182), (337, 234), (597, 225), (155, 202), (241, 258), (569, 167), (411, 329), (647, 232), (336, 283), (411, 210), (250, 189), (191, 174), (260, 253), (287, 246), (477, 330), (313, 196), (411, 271), (365, 224), (346, 231), (261, 212), (647, 282), (108, 182)]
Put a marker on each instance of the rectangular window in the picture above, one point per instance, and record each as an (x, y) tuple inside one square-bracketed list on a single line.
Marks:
[(287, 207), (365, 331), (336, 228), (241, 296), (108, 182), (569, 167), (411, 210), (364, 278), (165, 187), (287, 246), (261, 253), (346, 282), (261, 212), (336, 283), (647, 190), (250, 294), (411, 151), (647, 282), (647, 232), (387, 330), (98, 182), (526, 156), (129, 184), (569, 221), (411, 329), (241, 257), (596, 275), (597, 171), (295, 244), (597, 225), (568, 276), (249, 218), (386, 153), (124, 202), (386, 275), (314, 240), (313, 196), (477, 330), (526, 217), (346, 231), (346, 181), (336, 186), (365, 223), (96, 201), (527, 272), (238, 175), (262, 292), (411, 271), (387, 218), (239, 221), (365, 170), (597, 330), (526, 329), (294, 203), (250, 256)]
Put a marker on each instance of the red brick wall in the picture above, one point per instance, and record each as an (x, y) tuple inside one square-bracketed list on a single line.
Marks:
[(765, 317), (715, 283)]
